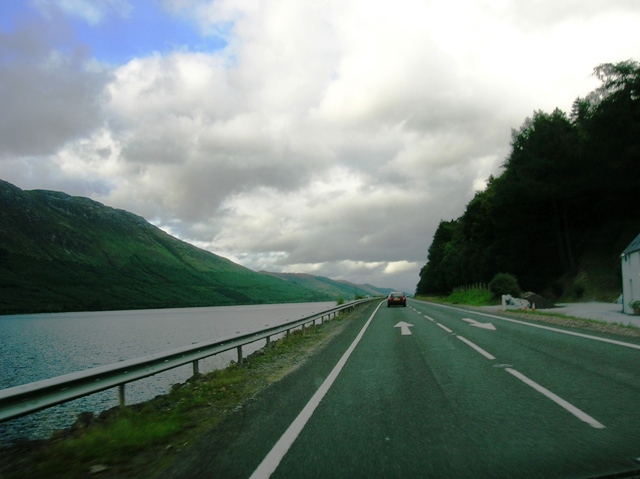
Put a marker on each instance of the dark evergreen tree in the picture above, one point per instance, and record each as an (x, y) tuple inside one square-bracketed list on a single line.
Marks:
[(569, 188)]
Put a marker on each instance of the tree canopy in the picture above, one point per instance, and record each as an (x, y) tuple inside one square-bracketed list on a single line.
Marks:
[(569, 187)]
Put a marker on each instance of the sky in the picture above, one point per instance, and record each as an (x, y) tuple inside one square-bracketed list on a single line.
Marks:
[(327, 137)]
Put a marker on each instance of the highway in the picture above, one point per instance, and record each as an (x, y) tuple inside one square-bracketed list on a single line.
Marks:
[(438, 392)]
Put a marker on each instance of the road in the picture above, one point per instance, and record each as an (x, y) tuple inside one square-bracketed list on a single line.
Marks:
[(439, 392)]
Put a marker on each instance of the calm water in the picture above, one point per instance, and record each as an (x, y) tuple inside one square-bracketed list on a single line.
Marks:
[(41, 346)]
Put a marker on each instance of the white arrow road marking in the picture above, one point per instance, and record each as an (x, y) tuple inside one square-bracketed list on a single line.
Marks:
[(404, 328), (478, 324)]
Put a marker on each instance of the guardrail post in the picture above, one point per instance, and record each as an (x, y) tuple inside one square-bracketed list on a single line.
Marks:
[(121, 395), (268, 341), (239, 354), (196, 369)]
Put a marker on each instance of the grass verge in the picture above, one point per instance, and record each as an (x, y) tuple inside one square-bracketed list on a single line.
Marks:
[(142, 439), (472, 297)]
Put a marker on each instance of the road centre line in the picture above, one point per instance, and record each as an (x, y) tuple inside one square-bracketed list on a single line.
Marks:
[(549, 328), (558, 400), (541, 389), (429, 318), (444, 327), (477, 348), (273, 458)]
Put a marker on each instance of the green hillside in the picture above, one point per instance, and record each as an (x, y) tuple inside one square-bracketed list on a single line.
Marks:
[(64, 253)]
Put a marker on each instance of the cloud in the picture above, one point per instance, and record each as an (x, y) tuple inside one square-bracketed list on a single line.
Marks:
[(49, 95), (90, 11), (326, 137)]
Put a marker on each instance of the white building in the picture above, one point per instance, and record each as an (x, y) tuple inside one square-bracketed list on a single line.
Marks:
[(631, 275)]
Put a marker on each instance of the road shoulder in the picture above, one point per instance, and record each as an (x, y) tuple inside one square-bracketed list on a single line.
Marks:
[(236, 446)]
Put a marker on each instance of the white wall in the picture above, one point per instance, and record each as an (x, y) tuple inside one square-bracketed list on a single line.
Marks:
[(630, 280)]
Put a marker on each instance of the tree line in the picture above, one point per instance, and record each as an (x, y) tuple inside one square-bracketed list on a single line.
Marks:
[(569, 190)]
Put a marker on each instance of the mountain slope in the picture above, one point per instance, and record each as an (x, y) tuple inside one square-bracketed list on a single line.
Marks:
[(64, 253), (335, 288)]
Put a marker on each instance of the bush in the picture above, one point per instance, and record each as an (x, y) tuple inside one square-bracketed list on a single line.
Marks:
[(557, 289), (504, 283), (578, 289)]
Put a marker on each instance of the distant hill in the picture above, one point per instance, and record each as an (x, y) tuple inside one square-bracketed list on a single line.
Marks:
[(63, 253), (334, 288)]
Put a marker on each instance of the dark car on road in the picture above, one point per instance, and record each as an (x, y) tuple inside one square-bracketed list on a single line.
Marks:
[(396, 298)]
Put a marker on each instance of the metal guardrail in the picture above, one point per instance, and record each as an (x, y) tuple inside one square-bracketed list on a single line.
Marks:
[(29, 398)]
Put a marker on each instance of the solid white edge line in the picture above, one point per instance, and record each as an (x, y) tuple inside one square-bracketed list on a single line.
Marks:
[(557, 399), (444, 327), (477, 348), (549, 328), (272, 460)]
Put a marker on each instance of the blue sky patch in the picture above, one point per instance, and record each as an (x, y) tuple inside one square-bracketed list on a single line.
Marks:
[(118, 37)]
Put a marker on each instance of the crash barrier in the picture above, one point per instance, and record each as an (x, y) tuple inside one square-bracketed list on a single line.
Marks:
[(29, 398)]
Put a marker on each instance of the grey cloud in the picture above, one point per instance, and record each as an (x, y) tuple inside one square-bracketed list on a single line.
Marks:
[(48, 95), (308, 142)]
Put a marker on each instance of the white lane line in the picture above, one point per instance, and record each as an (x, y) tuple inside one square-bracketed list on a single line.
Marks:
[(549, 328), (477, 348), (558, 400), (272, 460), (570, 333), (444, 327), (429, 318)]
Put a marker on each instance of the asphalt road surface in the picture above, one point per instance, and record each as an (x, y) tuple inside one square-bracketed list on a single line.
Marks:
[(438, 392)]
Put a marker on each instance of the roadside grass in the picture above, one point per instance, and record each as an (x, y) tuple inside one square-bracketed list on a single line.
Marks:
[(115, 441), (139, 440), (471, 297)]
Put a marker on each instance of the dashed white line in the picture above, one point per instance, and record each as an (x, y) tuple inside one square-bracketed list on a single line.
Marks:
[(557, 399), (477, 348), (444, 327), (548, 328), (541, 389)]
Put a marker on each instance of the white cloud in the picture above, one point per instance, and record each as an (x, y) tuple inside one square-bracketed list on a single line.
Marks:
[(326, 137), (91, 11)]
